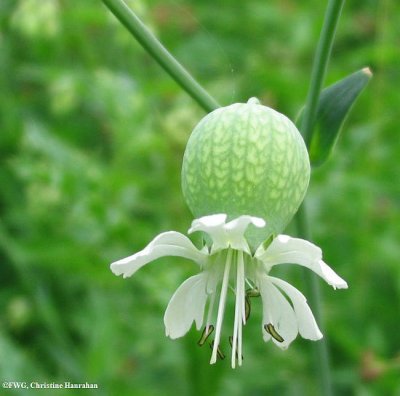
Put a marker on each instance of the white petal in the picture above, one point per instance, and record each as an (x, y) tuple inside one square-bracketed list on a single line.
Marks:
[(285, 249), (236, 229), (213, 225), (211, 221), (278, 312), (186, 305), (308, 328), (241, 223), (330, 275), (214, 272), (169, 243), (226, 235)]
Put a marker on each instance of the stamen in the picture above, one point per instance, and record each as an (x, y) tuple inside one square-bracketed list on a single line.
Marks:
[(247, 307), (231, 344), (210, 310), (240, 356), (239, 312), (270, 329), (241, 285), (206, 333), (242, 318), (219, 351), (248, 282), (252, 293), (221, 307), (236, 321)]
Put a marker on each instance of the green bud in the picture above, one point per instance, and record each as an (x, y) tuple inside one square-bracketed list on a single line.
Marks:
[(246, 159)]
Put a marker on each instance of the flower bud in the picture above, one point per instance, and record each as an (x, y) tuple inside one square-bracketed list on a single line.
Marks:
[(246, 159)]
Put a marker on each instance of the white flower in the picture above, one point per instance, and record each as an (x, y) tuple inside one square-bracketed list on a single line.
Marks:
[(228, 264)]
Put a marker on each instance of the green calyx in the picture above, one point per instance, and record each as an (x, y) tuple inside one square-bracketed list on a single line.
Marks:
[(246, 159)]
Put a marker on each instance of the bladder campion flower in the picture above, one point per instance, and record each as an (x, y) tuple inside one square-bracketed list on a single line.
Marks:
[(229, 262), (244, 175)]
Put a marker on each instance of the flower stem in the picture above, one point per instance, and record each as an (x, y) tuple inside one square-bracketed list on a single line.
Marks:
[(150, 43), (312, 285), (320, 65)]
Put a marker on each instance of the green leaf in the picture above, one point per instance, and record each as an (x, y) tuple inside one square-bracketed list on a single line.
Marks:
[(334, 104)]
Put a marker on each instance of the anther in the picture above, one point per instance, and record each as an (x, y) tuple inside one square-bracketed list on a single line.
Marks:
[(219, 352), (247, 308), (231, 344), (249, 293), (270, 329), (252, 293), (206, 333)]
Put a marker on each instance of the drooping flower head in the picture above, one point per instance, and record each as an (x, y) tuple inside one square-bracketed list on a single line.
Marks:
[(245, 172), (228, 265)]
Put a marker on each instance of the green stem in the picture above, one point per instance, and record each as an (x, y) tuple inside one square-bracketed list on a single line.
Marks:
[(307, 128), (312, 285), (319, 68), (161, 55)]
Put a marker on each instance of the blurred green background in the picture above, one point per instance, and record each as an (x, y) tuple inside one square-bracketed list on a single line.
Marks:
[(92, 133)]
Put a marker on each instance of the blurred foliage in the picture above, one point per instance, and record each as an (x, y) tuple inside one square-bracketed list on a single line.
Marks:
[(92, 134)]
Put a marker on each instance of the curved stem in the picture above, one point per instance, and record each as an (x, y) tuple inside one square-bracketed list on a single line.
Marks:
[(150, 43), (319, 67), (307, 128)]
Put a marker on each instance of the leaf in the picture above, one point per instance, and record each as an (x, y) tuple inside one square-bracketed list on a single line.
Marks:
[(334, 105)]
